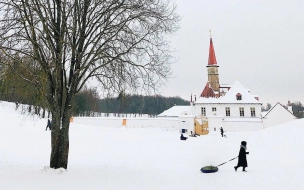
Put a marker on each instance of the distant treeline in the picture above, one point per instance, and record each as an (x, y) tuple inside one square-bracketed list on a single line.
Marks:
[(88, 102)]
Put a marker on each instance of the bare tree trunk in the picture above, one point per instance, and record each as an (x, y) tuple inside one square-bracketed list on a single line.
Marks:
[(60, 149), (43, 113), (60, 141)]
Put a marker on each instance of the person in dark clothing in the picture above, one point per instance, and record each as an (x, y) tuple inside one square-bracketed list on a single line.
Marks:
[(242, 162), (17, 105), (49, 125), (182, 137), (222, 131)]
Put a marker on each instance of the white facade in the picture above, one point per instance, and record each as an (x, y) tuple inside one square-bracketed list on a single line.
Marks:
[(234, 110), (233, 121)]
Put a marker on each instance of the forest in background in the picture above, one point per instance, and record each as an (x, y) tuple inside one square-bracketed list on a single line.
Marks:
[(88, 103)]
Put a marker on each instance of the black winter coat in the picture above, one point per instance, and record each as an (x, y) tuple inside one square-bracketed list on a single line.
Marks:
[(242, 158)]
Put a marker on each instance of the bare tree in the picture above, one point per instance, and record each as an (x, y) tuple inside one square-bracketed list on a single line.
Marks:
[(122, 43)]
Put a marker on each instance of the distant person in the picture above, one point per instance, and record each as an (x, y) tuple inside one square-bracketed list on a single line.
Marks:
[(222, 131), (49, 125), (182, 137), (242, 162), (17, 105)]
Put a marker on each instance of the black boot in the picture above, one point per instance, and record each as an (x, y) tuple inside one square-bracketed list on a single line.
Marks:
[(235, 168)]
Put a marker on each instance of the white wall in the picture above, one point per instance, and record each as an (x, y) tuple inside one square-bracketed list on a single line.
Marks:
[(235, 126), (99, 121), (119, 115), (131, 122), (153, 122)]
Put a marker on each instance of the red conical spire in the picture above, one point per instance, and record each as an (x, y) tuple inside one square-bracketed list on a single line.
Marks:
[(212, 59)]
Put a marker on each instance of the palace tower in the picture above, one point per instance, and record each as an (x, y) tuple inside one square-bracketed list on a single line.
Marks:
[(213, 76)]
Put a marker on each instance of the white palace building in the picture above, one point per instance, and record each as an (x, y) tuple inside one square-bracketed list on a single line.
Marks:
[(232, 107)]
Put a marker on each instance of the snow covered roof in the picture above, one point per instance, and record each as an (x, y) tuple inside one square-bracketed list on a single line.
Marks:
[(230, 96), (275, 107), (176, 111)]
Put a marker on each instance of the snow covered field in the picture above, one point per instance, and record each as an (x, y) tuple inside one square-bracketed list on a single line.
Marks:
[(147, 158)]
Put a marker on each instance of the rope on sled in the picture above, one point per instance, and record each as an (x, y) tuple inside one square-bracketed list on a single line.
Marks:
[(228, 161)]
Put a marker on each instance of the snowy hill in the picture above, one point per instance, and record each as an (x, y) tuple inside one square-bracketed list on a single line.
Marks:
[(146, 158)]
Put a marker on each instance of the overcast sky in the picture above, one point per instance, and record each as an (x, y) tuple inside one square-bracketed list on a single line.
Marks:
[(259, 43)]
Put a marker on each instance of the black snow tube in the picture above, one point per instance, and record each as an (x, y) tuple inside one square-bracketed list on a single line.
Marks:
[(209, 169)]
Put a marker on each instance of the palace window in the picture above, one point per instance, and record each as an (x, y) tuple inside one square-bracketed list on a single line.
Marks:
[(227, 111), (213, 109), (203, 111), (242, 112), (252, 110), (239, 96)]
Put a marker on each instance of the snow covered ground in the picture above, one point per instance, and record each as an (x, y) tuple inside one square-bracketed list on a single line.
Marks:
[(147, 158)]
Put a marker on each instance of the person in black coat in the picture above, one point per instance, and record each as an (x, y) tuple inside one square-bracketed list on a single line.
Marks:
[(242, 162), (222, 131)]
